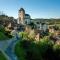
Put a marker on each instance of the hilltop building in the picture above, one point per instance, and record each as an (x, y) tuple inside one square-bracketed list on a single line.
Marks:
[(23, 18)]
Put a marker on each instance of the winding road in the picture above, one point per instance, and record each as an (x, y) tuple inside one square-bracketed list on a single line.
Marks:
[(8, 47)]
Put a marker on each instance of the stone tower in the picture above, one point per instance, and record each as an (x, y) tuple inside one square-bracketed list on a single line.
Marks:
[(21, 16)]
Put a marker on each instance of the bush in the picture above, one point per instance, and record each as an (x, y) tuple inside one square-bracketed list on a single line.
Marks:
[(20, 52), (31, 50), (45, 49), (56, 49), (2, 29), (23, 35), (26, 36), (2, 57), (7, 33), (4, 34)]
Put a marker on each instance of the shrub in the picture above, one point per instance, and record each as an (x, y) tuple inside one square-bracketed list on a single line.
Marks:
[(2, 29), (56, 49), (2, 57), (23, 35), (19, 52), (2, 36), (31, 50), (45, 49), (7, 33)]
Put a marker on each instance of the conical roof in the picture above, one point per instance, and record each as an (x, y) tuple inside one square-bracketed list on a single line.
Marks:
[(21, 9)]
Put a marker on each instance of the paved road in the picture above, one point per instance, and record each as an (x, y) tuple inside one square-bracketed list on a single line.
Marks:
[(5, 44), (8, 47), (10, 50)]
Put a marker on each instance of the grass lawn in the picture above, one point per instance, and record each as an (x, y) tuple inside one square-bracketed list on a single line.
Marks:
[(2, 57)]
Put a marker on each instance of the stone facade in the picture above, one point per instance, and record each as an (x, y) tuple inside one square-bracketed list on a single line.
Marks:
[(22, 17), (25, 19)]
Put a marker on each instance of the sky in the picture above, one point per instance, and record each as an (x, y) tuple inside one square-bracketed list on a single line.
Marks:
[(36, 8)]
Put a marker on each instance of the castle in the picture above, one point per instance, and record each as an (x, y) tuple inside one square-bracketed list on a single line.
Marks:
[(25, 19)]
